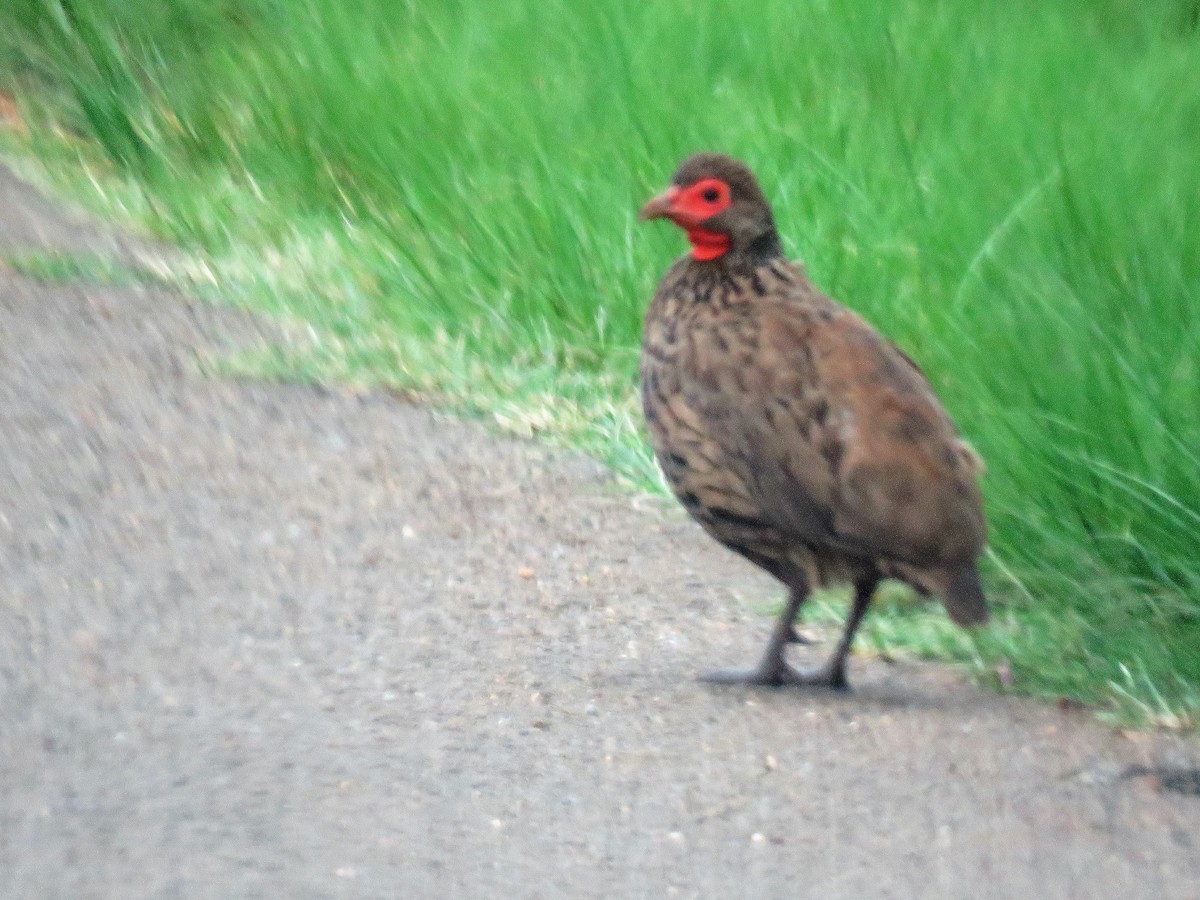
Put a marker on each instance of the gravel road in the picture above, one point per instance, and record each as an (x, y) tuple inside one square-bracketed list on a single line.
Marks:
[(265, 640)]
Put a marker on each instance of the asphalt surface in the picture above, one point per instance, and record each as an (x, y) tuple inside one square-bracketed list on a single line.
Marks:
[(266, 640)]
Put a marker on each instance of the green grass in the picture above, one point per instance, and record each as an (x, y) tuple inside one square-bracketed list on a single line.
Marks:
[(446, 193), (87, 268)]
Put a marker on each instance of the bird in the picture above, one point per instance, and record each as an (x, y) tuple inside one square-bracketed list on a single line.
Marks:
[(792, 431)]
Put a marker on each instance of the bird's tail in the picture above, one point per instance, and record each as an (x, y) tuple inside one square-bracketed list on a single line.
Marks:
[(964, 596)]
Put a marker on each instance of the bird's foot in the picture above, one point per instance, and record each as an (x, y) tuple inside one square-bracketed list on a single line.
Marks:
[(782, 675)]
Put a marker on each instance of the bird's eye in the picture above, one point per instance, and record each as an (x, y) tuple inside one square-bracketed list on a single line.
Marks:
[(711, 195)]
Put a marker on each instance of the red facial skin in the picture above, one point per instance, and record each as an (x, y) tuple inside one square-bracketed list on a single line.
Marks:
[(689, 207)]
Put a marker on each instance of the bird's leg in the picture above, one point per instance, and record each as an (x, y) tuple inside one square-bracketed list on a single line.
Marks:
[(833, 673), (790, 575), (773, 670)]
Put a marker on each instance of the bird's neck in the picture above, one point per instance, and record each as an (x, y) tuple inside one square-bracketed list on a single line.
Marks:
[(764, 248), (737, 257)]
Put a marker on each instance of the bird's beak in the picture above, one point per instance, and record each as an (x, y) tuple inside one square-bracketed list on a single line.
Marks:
[(661, 206)]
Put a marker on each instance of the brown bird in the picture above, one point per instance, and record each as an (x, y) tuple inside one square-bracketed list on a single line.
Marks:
[(792, 431)]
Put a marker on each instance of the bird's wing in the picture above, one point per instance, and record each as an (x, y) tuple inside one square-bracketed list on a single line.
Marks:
[(835, 435)]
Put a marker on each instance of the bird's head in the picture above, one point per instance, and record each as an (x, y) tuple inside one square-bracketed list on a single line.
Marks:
[(716, 200)]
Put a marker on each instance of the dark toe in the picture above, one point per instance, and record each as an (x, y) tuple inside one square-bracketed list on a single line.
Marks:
[(822, 677), (756, 677)]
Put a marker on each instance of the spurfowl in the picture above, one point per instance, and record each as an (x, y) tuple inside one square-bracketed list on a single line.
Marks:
[(792, 431)]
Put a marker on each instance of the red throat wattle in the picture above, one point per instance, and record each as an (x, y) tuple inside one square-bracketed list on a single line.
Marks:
[(707, 245)]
